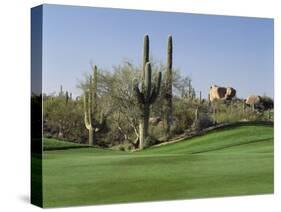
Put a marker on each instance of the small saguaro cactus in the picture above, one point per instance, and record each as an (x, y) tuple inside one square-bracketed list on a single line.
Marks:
[(90, 109), (200, 97), (169, 86), (146, 93), (66, 97)]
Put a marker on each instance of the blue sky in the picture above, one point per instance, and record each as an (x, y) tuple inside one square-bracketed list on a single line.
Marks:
[(222, 50)]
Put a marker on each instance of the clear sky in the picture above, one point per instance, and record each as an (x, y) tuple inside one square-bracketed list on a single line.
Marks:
[(222, 50)]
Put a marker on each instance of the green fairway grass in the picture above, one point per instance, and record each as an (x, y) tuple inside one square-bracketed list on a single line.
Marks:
[(53, 144), (227, 162)]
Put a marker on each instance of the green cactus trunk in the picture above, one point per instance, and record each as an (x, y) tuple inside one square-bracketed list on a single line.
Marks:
[(169, 87), (144, 125), (66, 97), (145, 54), (146, 96)]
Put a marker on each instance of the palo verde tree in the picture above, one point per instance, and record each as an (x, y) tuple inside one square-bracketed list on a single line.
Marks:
[(146, 93), (169, 86), (91, 109), (126, 114)]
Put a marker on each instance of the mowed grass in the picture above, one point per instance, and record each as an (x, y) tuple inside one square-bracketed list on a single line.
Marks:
[(53, 144), (232, 161)]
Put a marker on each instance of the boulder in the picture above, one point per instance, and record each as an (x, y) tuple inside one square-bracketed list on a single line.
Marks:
[(221, 93), (259, 102)]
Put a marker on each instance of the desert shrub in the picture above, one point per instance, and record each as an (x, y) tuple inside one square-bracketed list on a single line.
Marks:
[(125, 146), (257, 116), (227, 112), (228, 117), (150, 140), (64, 120), (183, 115), (177, 129), (121, 148), (158, 131), (268, 102), (203, 121), (268, 115)]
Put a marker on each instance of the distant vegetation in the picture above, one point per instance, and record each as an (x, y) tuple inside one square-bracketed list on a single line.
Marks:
[(134, 107)]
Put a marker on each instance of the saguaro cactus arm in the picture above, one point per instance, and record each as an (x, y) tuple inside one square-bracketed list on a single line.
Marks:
[(146, 96), (94, 86), (156, 89), (138, 93), (150, 91), (170, 54), (145, 54), (147, 81), (66, 97)]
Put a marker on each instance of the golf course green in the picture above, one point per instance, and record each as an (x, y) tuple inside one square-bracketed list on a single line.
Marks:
[(232, 161)]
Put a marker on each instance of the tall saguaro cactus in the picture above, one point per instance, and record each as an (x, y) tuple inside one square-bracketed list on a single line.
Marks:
[(90, 108), (169, 86), (146, 95)]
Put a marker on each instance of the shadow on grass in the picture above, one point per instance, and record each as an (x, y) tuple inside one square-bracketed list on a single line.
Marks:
[(229, 146), (65, 147)]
